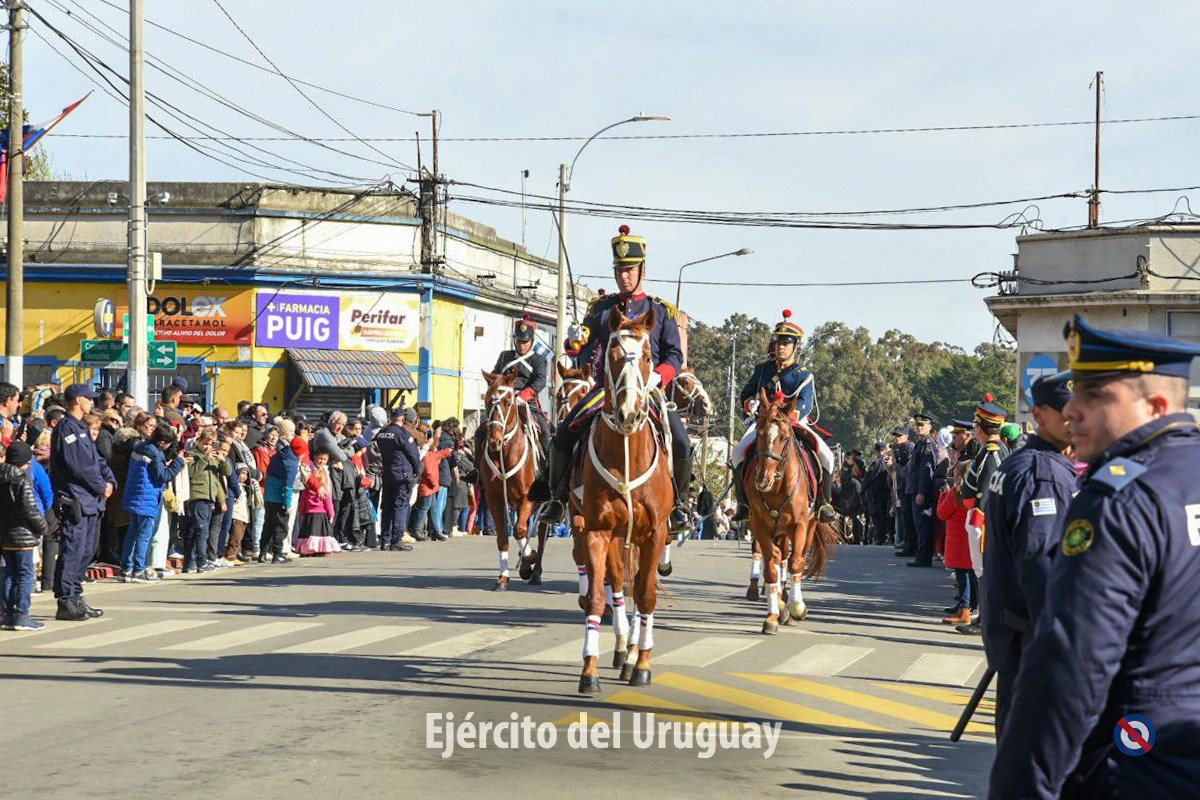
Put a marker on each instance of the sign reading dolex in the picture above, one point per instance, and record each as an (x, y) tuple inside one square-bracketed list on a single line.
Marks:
[(111, 353)]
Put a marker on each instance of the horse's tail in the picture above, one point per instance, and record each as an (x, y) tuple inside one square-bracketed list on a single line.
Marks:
[(820, 549)]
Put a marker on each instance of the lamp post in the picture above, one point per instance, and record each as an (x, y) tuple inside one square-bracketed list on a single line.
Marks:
[(564, 186), (745, 251)]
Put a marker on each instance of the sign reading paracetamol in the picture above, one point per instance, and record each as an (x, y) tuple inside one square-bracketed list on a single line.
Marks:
[(378, 321)]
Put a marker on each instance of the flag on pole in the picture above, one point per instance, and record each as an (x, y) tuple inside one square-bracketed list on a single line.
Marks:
[(31, 134)]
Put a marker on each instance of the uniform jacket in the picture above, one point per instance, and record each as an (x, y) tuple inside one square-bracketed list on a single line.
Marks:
[(531, 373), (793, 380), (76, 469), (975, 483), (903, 455), (149, 473), (399, 456), (926, 463), (1029, 497), (1119, 634), (665, 347), (875, 490), (21, 523), (281, 475)]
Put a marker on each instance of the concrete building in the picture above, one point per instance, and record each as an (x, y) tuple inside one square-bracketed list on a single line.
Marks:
[(1145, 277), (311, 298)]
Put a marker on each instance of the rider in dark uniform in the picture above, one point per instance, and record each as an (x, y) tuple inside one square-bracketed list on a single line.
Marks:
[(532, 373), (1105, 703), (781, 373), (977, 481), (586, 344)]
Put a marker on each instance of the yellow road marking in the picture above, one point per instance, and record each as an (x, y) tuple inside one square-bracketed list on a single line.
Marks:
[(774, 707), (935, 693), (648, 704), (867, 702)]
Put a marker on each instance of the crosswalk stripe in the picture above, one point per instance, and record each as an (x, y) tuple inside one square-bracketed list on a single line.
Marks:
[(708, 650), (771, 706), (255, 633), (867, 702), (461, 645), (822, 659), (122, 635), (352, 639), (937, 693), (942, 669), (566, 653)]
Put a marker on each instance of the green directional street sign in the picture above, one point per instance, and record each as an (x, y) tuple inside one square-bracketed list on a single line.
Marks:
[(111, 353)]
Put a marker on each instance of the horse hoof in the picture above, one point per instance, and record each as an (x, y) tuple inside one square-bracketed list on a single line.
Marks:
[(752, 592), (770, 627), (665, 570), (589, 684), (784, 616), (525, 570), (640, 677), (606, 617), (535, 579), (791, 621), (501, 586), (626, 671), (619, 659), (798, 614)]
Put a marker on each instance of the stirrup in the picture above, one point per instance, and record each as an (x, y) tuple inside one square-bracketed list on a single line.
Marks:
[(552, 511), (679, 522), (742, 513)]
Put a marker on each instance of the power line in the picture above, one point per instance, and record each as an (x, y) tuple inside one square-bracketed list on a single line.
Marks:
[(791, 284)]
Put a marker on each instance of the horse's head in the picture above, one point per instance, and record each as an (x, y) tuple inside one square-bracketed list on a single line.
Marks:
[(773, 429), (628, 365), (689, 395), (500, 399), (573, 384)]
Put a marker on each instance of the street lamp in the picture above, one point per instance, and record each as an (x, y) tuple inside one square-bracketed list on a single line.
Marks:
[(564, 185), (745, 251)]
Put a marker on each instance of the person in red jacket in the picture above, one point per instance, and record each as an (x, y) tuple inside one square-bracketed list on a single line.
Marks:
[(953, 512), (427, 489)]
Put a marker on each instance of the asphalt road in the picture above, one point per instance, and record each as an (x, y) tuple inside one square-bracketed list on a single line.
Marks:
[(318, 678)]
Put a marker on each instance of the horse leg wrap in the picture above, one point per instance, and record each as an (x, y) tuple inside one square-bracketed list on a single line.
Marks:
[(756, 568), (524, 547), (666, 555), (620, 621), (635, 630), (773, 600), (583, 582), (646, 637), (503, 563), (591, 637)]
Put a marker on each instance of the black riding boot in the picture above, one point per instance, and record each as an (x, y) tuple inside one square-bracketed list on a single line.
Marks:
[(680, 521), (550, 487), (826, 513), (739, 491)]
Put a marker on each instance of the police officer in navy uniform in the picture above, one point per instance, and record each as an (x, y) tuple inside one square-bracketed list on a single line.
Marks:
[(586, 344), (81, 481), (1028, 500), (400, 461), (532, 373), (782, 373), (922, 486), (1117, 645), (902, 451)]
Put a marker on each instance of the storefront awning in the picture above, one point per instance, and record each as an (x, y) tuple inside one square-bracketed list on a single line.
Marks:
[(352, 369)]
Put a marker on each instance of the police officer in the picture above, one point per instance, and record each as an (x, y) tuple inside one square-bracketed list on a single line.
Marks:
[(81, 482), (782, 373), (1026, 504), (587, 344), (532, 373), (902, 451), (400, 463), (922, 487), (1105, 704), (875, 494)]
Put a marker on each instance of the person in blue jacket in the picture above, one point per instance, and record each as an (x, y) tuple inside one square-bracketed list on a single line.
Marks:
[(1105, 704), (149, 474), (277, 494), (43, 492)]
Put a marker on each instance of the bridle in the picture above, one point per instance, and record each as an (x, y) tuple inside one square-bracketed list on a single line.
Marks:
[(764, 453), (567, 389), (689, 395), (501, 414), (629, 379)]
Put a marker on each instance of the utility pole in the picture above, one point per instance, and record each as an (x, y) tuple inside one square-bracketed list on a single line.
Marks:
[(138, 376), (560, 322), (732, 381), (14, 342), (1094, 202), (429, 182)]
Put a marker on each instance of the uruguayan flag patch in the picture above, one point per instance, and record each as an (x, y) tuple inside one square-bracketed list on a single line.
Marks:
[(1043, 506)]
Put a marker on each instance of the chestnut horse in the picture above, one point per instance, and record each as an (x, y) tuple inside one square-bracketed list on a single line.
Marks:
[(573, 384), (508, 465), (621, 500), (689, 396), (781, 513)]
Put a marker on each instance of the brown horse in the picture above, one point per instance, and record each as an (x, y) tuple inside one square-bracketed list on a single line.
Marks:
[(689, 396), (621, 500), (781, 513), (573, 384), (508, 465)]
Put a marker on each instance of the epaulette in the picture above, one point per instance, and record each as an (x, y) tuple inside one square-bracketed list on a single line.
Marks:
[(991, 447), (672, 311), (1119, 473), (599, 300)]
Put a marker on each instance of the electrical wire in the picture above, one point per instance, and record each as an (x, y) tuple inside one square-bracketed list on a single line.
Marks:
[(790, 284)]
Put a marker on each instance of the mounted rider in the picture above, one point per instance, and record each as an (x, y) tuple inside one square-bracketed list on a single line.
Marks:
[(586, 344), (532, 372), (781, 373)]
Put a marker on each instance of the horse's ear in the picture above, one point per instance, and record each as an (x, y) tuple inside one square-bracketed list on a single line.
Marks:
[(489, 377), (648, 320), (791, 405), (763, 399), (616, 320)]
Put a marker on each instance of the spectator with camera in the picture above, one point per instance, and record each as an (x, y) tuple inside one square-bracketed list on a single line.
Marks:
[(154, 462)]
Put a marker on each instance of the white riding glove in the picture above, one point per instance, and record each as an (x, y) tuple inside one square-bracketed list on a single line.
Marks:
[(654, 381)]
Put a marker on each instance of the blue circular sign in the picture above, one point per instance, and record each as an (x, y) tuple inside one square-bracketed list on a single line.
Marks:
[(1134, 735), (105, 318), (1037, 367)]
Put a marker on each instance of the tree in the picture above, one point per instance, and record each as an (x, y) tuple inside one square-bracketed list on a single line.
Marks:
[(37, 163)]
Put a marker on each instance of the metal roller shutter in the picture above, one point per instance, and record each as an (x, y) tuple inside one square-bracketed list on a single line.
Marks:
[(315, 402)]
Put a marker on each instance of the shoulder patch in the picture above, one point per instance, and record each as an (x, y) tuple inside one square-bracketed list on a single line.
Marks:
[(1078, 538), (70, 438), (1119, 473), (671, 310), (991, 447)]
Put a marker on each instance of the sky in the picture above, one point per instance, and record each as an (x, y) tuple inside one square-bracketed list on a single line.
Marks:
[(545, 68)]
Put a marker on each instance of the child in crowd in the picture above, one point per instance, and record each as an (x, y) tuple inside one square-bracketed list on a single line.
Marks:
[(316, 511), (22, 525), (241, 517), (207, 474), (958, 554)]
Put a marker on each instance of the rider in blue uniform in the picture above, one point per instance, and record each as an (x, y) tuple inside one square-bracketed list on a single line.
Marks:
[(532, 373), (782, 373), (586, 345), (1117, 645)]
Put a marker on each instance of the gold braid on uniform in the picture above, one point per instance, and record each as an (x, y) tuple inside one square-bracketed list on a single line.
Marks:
[(672, 311)]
